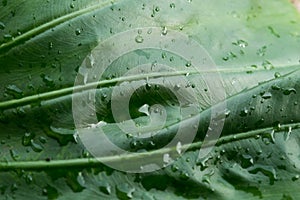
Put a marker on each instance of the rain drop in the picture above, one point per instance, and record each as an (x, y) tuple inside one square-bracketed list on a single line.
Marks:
[(273, 32), (227, 113), (225, 58), (177, 87), (124, 191), (244, 112), (77, 31), (105, 188), (267, 65), (174, 168), (188, 64), (184, 175), (261, 51), (240, 43), (172, 5), (270, 172), (289, 91), (27, 139), (35, 146), (144, 109), (50, 45), (42, 139), (139, 39), (164, 31), (47, 80), (14, 154), (288, 134), (179, 147), (277, 75), (247, 161), (14, 91), (275, 87), (72, 5), (266, 95), (149, 31), (7, 36), (296, 177), (28, 178)]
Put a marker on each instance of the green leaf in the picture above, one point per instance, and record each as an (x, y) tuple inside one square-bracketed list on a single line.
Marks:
[(255, 46)]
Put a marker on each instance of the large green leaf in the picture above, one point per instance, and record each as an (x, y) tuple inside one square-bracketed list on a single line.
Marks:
[(255, 45)]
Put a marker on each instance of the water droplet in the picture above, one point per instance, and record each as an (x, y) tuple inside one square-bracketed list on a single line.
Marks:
[(289, 91), (172, 5), (124, 191), (225, 58), (244, 112), (227, 113), (139, 39), (144, 109), (72, 5), (247, 161), (156, 9), (50, 192), (266, 95), (296, 177), (27, 139), (14, 91), (288, 134), (50, 45), (259, 152), (240, 43), (177, 87), (206, 177), (179, 147), (148, 86), (277, 75), (275, 87), (265, 170), (149, 31), (62, 135), (47, 80), (174, 168), (261, 51), (273, 32), (14, 154), (2, 26), (35, 146), (164, 31), (7, 36), (188, 64), (267, 65), (105, 187), (260, 122), (184, 175), (28, 178), (77, 31), (80, 179)]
